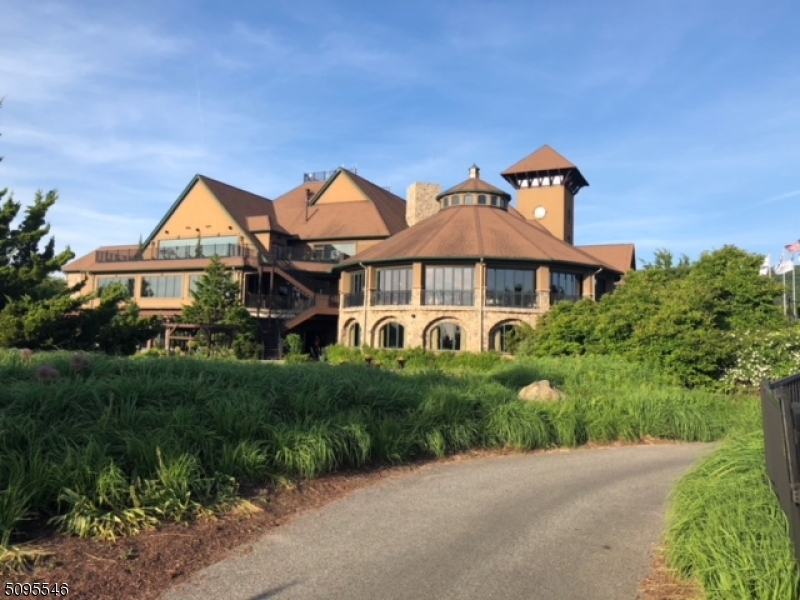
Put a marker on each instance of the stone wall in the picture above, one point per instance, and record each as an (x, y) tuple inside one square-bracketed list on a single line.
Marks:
[(421, 201), (419, 320)]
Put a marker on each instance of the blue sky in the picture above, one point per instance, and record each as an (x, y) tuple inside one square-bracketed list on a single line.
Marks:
[(684, 116)]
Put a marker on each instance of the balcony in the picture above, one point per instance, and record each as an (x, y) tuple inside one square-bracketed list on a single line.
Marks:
[(448, 298), (180, 253), (301, 253), (391, 298), (510, 299), (353, 299), (278, 302)]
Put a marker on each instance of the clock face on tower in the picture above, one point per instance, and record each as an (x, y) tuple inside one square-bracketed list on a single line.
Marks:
[(539, 212)]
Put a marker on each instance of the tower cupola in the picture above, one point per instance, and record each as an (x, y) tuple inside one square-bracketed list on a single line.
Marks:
[(474, 191), (546, 185)]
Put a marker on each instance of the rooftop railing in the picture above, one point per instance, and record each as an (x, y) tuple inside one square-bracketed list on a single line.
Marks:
[(179, 253)]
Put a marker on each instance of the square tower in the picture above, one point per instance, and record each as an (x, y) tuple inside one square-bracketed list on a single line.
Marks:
[(546, 185)]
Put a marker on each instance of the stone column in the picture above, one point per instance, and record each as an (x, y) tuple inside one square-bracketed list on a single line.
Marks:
[(417, 273), (543, 287), (588, 286)]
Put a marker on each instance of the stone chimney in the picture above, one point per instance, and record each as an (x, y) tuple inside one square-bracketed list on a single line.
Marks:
[(421, 201)]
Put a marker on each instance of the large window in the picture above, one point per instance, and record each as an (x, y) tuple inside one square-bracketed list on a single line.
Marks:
[(354, 335), (126, 282), (163, 286), (500, 338), (454, 286), (333, 252), (193, 279), (446, 336), (392, 336), (565, 286), (199, 247), (511, 287), (355, 297), (394, 287)]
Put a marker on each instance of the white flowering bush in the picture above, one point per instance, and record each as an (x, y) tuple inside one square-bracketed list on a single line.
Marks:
[(763, 355)]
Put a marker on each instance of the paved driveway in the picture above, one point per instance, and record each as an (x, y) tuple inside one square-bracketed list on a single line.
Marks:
[(573, 525)]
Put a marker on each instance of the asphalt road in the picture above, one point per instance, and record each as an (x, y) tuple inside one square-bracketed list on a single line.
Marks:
[(571, 525)]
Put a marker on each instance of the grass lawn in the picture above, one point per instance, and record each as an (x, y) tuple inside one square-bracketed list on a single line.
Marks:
[(112, 446)]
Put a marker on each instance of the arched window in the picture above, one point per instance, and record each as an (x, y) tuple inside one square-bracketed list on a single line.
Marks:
[(468, 199), (392, 336), (481, 199), (447, 336), (500, 337), (354, 335), (456, 200), (445, 202), (494, 200)]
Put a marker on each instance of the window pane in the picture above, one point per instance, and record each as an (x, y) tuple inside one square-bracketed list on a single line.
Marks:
[(469, 278), (448, 278), (458, 279)]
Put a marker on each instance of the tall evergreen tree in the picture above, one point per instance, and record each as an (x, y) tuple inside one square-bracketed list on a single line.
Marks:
[(39, 310), (216, 302)]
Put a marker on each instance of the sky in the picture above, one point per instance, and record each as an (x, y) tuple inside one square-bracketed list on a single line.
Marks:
[(684, 116)]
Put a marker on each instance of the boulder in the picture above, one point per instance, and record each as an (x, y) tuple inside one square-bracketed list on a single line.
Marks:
[(541, 390)]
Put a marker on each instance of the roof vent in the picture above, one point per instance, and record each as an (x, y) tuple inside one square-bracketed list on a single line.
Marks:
[(474, 172)]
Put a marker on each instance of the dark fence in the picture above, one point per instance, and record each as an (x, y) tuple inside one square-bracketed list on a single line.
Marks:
[(448, 297), (353, 299), (511, 299), (780, 409), (391, 297)]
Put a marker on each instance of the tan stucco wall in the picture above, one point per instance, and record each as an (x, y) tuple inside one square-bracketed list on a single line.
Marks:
[(150, 303), (556, 199), (199, 210), (264, 239), (342, 189)]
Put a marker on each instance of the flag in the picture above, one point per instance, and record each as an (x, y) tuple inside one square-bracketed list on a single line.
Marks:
[(766, 268), (794, 246), (785, 266)]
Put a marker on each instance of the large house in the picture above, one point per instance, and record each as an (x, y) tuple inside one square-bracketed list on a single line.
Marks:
[(343, 259)]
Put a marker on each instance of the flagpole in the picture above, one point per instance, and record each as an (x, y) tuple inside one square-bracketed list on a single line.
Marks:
[(794, 289), (784, 293)]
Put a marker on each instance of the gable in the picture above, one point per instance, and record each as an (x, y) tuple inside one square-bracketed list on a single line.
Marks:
[(341, 189), (197, 212)]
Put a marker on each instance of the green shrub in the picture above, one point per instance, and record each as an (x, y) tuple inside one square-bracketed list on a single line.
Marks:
[(763, 355), (681, 318)]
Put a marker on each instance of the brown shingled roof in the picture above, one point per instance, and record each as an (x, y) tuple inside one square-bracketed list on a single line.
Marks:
[(87, 261), (543, 159), (383, 215), (621, 256), (242, 204), (473, 184), (475, 231)]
